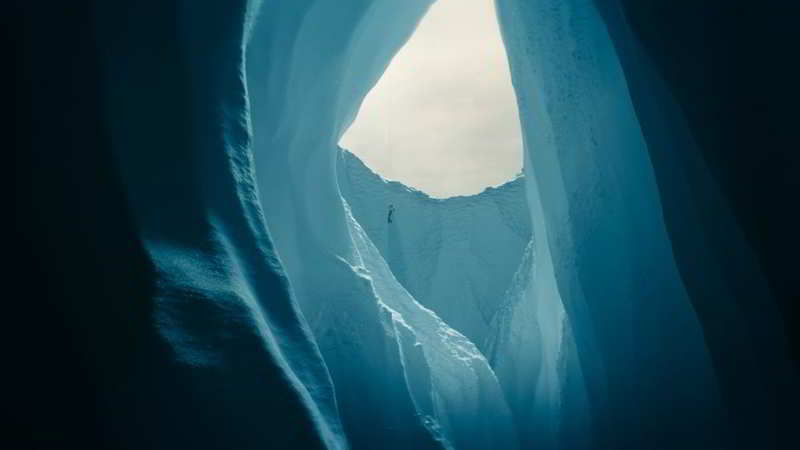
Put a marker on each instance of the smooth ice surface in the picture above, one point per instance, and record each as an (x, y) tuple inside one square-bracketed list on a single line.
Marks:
[(443, 116)]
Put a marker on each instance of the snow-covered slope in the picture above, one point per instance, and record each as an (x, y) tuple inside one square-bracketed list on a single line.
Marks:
[(439, 249)]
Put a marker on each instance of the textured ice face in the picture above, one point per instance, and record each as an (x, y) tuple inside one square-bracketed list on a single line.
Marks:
[(439, 249), (480, 283), (578, 348), (242, 297), (396, 366), (600, 241)]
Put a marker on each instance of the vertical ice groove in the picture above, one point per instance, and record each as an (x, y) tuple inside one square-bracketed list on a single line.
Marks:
[(612, 264), (462, 381), (438, 249)]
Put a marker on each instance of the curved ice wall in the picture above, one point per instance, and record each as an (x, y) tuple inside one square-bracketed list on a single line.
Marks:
[(169, 322), (221, 355), (471, 260), (616, 344), (742, 327), (403, 378)]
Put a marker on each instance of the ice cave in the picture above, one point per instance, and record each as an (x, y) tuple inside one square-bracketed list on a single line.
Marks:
[(574, 344), (277, 282)]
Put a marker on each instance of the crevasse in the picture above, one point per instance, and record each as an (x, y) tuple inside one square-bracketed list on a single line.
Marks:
[(579, 355)]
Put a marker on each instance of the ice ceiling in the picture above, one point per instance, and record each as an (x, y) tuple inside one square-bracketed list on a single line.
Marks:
[(443, 117)]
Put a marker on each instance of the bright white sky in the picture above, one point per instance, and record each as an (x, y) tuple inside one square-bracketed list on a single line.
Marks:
[(443, 118)]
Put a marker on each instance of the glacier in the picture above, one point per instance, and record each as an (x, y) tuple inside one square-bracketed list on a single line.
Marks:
[(589, 215), (481, 284), (244, 282), (438, 249)]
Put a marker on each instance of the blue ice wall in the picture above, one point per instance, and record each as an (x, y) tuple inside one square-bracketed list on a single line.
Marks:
[(402, 376), (439, 249), (599, 344), (298, 59), (640, 346), (741, 325), (160, 312), (226, 346), (606, 369)]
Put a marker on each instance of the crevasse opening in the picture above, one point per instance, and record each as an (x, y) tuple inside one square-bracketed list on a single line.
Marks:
[(442, 120), (443, 117), (566, 349), (425, 310)]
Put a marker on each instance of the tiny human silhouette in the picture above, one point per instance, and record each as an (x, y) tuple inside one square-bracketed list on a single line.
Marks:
[(391, 211)]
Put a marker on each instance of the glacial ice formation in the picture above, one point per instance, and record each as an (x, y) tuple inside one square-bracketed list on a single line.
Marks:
[(279, 286), (596, 209), (481, 284), (206, 272), (402, 377), (438, 249), (220, 321), (581, 347), (453, 127)]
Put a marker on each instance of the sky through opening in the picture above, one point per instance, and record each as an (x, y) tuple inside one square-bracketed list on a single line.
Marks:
[(443, 118)]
